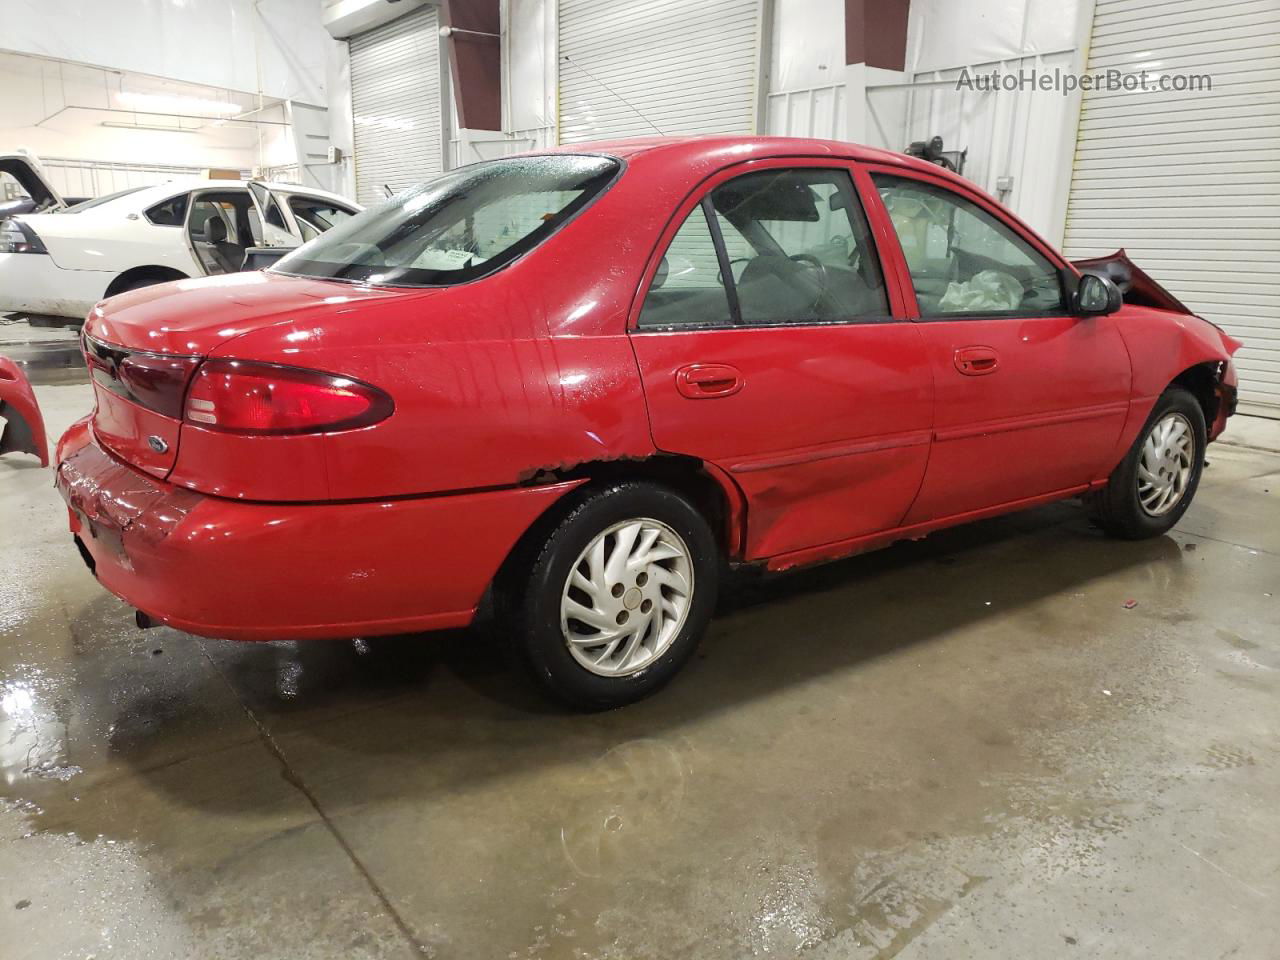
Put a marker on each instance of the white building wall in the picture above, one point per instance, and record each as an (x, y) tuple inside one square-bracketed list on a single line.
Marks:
[(805, 78), (58, 110), (275, 47), (1020, 140)]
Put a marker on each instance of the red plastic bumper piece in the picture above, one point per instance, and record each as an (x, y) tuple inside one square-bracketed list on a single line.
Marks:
[(259, 571), (24, 432)]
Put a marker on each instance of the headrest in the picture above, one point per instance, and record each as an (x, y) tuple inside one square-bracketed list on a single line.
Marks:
[(215, 230)]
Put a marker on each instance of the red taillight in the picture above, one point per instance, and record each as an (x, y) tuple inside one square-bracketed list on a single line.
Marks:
[(242, 396), (154, 380)]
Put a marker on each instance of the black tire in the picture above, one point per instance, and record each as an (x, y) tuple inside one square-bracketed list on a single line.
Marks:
[(1117, 507), (145, 280), (535, 612)]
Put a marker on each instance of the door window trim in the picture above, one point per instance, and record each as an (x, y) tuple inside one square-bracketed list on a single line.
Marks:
[(1005, 218), (700, 196)]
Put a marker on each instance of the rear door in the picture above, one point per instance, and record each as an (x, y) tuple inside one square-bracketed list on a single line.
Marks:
[(770, 346), (276, 230), (1030, 399)]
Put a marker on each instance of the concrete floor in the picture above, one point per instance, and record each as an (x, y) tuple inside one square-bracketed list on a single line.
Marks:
[(963, 747)]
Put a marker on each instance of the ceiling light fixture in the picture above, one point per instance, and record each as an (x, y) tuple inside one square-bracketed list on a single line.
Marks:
[(163, 103)]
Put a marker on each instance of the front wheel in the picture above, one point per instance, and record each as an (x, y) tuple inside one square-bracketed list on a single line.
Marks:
[(1153, 486), (618, 597)]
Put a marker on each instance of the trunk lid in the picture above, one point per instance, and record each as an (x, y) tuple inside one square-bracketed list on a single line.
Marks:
[(143, 347), (30, 176)]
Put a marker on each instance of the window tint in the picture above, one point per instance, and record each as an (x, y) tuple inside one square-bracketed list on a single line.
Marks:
[(458, 227), (799, 247), (962, 259), (169, 213), (687, 288)]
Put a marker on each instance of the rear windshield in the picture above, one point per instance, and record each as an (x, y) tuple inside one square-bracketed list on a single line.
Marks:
[(460, 226)]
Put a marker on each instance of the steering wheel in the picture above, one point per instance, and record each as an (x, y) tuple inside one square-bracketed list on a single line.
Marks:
[(819, 270)]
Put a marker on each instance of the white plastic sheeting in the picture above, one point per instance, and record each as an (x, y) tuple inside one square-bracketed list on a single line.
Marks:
[(805, 82), (276, 47), (530, 38), (1019, 140), (806, 44), (942, 34)]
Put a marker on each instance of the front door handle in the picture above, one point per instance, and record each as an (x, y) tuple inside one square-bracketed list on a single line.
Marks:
[(977, 361), (704, 381)]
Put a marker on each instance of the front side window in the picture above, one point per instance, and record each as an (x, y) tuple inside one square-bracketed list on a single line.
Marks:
[(798, 250), (962, 259), (457, 227)]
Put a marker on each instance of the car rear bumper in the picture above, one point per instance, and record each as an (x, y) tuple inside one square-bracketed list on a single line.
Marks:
[(33, 283), (258, 571)]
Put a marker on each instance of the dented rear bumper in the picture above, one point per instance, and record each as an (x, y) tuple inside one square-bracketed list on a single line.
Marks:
[(264, 571)]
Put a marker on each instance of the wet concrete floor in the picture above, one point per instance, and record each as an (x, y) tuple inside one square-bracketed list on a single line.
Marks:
[(968, 746)]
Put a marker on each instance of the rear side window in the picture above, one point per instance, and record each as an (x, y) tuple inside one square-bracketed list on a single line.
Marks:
[(457, 227), (169, 213), (688, 289)]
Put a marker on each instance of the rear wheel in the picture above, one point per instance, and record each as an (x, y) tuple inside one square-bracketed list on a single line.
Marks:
[(618, 596), (1153, 486)]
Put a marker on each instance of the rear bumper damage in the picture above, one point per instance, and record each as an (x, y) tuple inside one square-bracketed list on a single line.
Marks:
[(266, 571)]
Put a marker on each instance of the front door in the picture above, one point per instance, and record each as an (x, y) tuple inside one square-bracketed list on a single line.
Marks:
[(1030, 399), (769, 346)]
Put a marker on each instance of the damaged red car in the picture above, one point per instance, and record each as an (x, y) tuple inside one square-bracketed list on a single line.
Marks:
[(584, 380)]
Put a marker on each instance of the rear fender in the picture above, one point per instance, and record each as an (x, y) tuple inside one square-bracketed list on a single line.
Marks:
[(24, 431)]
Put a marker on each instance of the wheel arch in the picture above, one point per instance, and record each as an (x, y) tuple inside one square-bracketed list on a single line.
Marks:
[(150, 271), (706, 486), (1202, 381)]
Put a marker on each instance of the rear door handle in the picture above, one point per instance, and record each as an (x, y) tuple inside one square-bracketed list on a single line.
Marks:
[(977, 361), (704, 381)]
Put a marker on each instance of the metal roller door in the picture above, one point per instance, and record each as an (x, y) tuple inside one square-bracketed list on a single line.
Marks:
[(685, 67), (1189, 183), (395, 101)]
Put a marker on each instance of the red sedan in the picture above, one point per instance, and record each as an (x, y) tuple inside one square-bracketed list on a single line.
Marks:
[(584, 379)]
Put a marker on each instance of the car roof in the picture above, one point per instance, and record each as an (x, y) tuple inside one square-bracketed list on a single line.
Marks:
[(141, 199), (721, 150)]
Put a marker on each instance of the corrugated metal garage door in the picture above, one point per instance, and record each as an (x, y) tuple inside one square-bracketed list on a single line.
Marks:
[(1189, 183), (395, 100), (686, 67)]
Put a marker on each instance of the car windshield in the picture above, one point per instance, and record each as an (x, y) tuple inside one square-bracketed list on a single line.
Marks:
[(457, 227)]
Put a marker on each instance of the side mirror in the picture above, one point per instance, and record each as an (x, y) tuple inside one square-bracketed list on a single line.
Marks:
[(1096, 296)]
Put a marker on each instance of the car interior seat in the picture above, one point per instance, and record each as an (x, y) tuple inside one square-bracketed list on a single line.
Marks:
[(228, 257)]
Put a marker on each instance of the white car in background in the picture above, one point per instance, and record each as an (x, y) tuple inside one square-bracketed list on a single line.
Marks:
[(61, 262)]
